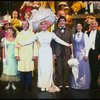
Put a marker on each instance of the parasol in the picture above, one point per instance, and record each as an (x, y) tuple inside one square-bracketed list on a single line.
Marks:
[(73, 63)]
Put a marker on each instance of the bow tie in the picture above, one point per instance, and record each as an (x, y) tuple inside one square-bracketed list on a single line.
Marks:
[(62, 28)]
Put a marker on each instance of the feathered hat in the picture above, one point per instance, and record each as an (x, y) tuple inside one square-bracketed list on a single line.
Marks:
[(44, 14)]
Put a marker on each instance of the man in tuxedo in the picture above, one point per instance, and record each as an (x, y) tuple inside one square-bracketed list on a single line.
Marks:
[(94, 53), (62, 53)]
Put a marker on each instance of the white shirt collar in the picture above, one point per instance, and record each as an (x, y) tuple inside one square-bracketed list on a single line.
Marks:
[(25, 32), (79, 33), (94, 31)]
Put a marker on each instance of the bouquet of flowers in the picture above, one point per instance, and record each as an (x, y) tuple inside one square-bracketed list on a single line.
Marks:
[(77, 6)]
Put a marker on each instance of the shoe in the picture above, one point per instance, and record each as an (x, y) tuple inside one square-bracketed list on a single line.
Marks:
[(60, 86), (47, 89), (42, 89), (7, 87), (13, 87), (67, 86)]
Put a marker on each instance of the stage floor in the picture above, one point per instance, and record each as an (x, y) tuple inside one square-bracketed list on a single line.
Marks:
[(36, 93)]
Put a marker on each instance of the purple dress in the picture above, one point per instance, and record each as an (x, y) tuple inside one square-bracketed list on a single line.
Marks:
[(83, 81)]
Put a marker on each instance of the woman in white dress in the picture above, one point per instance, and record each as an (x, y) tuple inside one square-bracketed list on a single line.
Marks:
[(45, 61)]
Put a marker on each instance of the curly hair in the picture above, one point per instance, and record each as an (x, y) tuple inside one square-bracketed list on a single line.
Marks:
[(14, 34)]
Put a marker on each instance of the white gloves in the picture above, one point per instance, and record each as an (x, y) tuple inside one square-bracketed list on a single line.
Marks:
[(4, 61)]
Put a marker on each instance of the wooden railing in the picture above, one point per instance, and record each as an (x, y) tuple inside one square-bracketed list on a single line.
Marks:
[(82, 16)]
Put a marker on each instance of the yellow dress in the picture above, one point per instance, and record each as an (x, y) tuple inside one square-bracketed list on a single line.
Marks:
[(25, 52), (15, 22)]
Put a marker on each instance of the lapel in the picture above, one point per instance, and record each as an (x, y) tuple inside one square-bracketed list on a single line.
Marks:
[(97, 37), (59, 34), (66, 33), (88, 33)]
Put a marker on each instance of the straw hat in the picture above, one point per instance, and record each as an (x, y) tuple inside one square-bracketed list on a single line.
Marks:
[(1, 21), (7, 17), (66, 7), (5, 22), (41, 15), (62, 3), (36, 4)]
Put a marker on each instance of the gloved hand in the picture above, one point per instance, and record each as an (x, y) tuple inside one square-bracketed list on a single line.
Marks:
[(4, 61)]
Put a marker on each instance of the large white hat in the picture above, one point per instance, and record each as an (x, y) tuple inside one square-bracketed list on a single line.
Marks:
[(62, 3), (44, 14)]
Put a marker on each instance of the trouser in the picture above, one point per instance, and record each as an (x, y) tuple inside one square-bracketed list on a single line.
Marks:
[(94, 67), (63, 70), (26, 78)]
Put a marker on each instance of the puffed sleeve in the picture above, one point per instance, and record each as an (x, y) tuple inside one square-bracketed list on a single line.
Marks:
[(2, 42), (58, 40), (87, 46)]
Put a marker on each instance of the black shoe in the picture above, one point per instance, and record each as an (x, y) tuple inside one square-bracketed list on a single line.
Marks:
[(60, 86), (29, 88), (67, 86), (94, 86), (23, 87)]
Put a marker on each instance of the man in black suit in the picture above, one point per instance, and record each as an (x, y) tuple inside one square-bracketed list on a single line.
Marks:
[(94, 53)]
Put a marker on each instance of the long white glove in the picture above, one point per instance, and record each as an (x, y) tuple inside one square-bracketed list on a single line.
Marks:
[(4, 61)]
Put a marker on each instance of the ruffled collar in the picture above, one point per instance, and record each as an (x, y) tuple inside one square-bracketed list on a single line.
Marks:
[(78, 36)]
